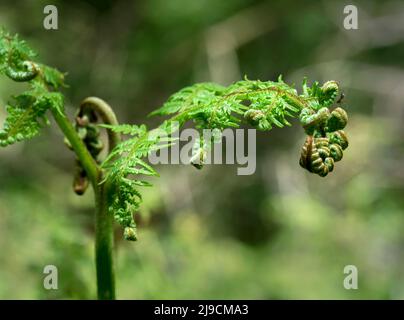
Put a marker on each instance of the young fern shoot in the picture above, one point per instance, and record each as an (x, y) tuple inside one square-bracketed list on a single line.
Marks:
[(26, 112), (211, 106), (115, 180)]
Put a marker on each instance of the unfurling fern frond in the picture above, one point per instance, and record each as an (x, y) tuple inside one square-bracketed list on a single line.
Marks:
[(26, 112), (124, 164), (210, 106), (326, 141), (262, 104)]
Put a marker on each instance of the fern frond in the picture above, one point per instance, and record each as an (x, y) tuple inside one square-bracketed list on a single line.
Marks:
[(262, 104), (187, 98), (26, 115), (26, 112), (13, 50), (124, 164)]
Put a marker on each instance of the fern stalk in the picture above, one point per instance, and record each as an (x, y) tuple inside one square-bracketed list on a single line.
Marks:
[(103, 220), (78, 146), (104, 244), (27, 114)]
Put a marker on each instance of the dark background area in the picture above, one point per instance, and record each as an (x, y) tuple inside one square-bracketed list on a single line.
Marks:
[(280, 233)]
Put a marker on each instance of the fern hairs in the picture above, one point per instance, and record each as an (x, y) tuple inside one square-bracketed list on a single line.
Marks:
[(115, 178)]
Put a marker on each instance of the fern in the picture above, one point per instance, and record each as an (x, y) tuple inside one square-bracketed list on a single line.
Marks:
[(26, 112), (211, 106), (262, 104), (116, 181), (126, 161)]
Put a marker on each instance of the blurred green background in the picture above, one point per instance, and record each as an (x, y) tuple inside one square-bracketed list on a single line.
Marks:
[(281, 233)]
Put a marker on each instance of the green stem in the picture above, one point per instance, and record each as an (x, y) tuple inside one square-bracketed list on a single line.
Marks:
[(104, 244), (78, 146), (104, 240)]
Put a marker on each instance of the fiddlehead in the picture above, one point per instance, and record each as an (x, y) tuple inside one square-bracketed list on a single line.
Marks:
[(90, 112), (124, 198), (326, 140), (87, 130), (28, 71), (337, 120), (26, 112)]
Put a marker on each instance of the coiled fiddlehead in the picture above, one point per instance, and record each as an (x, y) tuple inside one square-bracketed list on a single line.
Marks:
[(86, 127), (326, 141), (28, 72), (315, 156), (337, 120), (26, 112)]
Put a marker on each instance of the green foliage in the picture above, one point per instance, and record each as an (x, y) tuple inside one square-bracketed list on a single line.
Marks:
[(210, 106), (123, 164), (262, 104), (326, 140), (325, 94), (26, 112), (13, 51)]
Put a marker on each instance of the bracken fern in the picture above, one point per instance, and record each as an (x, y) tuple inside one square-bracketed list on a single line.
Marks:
[(211, 106), (115, 180), (26, 112)]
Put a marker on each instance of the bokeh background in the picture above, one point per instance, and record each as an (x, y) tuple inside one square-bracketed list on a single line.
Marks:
[(281, 233)]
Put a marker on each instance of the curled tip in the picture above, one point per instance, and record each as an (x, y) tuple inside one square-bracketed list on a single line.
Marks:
[(329, 162), (29, 72), (331, 85), (336, 152), (130, 234), (330, 90), (80, 185), (339, 137), (338, 120), (318, 155)]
